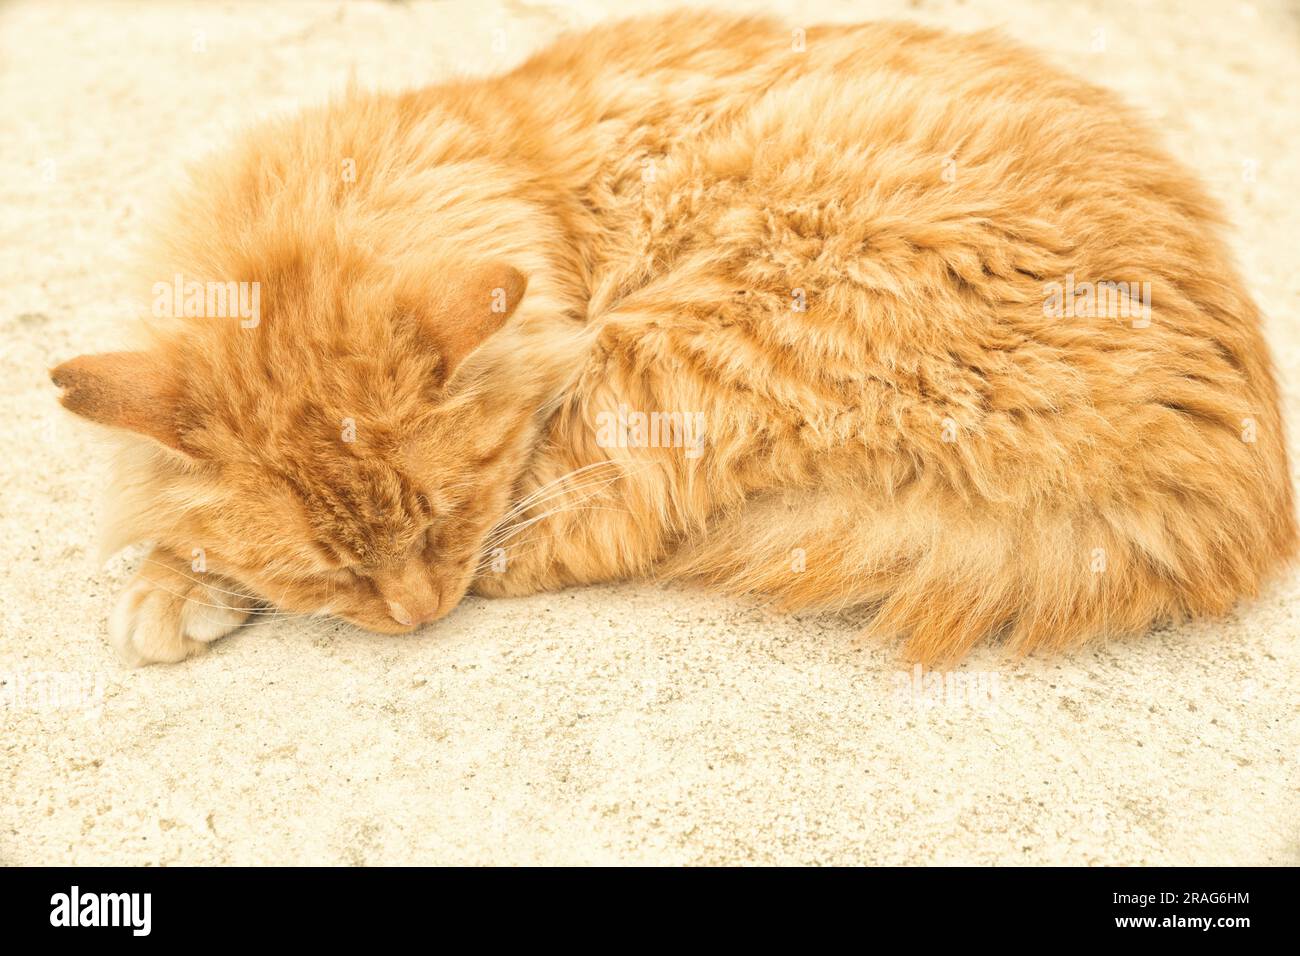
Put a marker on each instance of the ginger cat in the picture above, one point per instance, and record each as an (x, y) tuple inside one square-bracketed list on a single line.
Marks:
[(874, 314)]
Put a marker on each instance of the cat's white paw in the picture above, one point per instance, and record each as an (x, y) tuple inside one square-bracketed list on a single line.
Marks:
[(164, 618)]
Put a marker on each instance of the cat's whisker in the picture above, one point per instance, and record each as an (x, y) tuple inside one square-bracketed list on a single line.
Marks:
[(577, 506), (532, 546), (261, 615), (508, 533), (201, 581), (553, 486), (592, 488)]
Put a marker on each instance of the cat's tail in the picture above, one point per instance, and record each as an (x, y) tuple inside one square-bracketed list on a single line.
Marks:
[(943, 578)]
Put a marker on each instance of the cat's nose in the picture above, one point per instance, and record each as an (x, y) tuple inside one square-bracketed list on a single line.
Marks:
[(402, 616), (410, 595)]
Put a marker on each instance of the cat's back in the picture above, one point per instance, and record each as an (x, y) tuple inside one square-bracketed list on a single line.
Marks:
[(930, 126), (658, 69), (956, 279), (883, 211)]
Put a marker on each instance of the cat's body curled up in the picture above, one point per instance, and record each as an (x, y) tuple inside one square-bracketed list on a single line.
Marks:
[(827, 318)]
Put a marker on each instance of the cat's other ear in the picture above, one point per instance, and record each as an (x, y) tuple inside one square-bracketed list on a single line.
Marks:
[(123, 390), (479, 304)]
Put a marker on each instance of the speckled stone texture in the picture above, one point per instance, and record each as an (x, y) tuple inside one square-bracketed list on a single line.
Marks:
[(621, 724)]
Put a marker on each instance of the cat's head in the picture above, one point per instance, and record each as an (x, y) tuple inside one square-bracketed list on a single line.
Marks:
[(338, 455)]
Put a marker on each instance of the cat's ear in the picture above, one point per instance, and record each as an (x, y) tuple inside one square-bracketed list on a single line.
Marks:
[(479, 304), (128, 390)]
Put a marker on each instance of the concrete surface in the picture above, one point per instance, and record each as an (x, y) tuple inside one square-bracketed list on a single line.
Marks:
[(627, 724)]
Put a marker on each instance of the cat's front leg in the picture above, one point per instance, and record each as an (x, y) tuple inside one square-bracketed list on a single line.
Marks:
[(170, 612)]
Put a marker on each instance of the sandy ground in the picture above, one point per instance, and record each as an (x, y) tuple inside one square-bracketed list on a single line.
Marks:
[(627, 724)]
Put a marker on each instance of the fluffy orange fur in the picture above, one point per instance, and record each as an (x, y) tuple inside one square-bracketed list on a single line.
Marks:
[(833, 253)]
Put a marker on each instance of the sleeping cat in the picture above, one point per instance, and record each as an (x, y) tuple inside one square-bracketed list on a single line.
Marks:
[(862, 315)]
